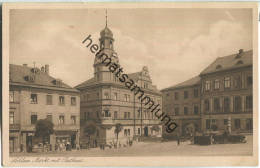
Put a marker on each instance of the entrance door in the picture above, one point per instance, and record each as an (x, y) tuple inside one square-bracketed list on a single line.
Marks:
[(29, 143), (11, 144), (73, 141), (145, 131)]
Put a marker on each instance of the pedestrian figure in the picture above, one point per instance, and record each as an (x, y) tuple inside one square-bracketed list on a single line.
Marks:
[(178, 139)]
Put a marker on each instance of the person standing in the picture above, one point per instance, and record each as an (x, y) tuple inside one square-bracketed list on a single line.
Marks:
[(178, 139)]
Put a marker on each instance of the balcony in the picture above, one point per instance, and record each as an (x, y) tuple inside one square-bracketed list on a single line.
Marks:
[(14, 126)]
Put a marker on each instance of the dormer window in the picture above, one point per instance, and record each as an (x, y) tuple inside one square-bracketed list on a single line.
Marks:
[(218, 66), (35, 70), (57, 82), (239, 62), (29, 78)]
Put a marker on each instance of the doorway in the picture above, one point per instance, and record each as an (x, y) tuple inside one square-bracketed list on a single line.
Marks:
[(146, 131)]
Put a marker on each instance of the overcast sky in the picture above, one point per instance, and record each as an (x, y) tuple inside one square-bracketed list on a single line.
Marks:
[(175, 44)]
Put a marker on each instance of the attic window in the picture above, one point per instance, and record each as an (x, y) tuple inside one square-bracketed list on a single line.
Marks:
[(57, 82), (218, 66), (239, 62), (35, 70), (29, 78)]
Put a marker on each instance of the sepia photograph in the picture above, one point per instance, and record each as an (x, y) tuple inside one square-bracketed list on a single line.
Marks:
[(149, 84)]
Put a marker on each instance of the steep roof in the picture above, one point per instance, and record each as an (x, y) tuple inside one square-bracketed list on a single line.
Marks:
[(193, 81), (230, 62), (19, 73)]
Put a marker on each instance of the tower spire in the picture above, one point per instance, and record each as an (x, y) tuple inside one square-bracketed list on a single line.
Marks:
[(106, 17)]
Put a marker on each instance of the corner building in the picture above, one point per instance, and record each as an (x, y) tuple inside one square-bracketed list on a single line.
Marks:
[(105, 102), (34, 95), (227, 95)]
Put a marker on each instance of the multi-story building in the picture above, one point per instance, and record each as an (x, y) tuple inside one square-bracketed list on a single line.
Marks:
[(221, 96), (182, 103), (227, 97), (35, 95), (105, 101)]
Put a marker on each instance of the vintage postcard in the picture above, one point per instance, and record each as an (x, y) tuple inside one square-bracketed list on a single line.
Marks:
[(130, 84)]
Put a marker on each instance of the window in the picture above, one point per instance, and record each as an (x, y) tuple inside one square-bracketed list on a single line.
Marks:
[(97, 114), (86, 115), (34, 98), (107, 113), (145, 85), (128, 116), (11, 96), (206, 105), (125, 132), (216, 105), (237, 82), (216, 84), (73, 101), (33, 119), (208, 124), (87, 97), (249, 80), (237, 123), (11, 118), (139, 131), (115, 96), (125, 115), (186, 94), (186, 110), (62, 100), (196, 92), (176, 95), (249, 124), (225, 121), (139, 113), (61, 119), (106, 95), (73, 120), (115, 114), (176, 110), (49, 99), (237, 104), (207, 85), (227, 83), (226, 104), (49, 117), (126, 97), (196, 109), (249, 102), (128, 132)]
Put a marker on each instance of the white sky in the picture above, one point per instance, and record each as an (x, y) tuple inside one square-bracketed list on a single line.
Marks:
[(175, 44)]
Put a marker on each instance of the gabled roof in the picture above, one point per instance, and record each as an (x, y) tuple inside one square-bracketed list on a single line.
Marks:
[(230, 62), (191, 82), (19, 73)]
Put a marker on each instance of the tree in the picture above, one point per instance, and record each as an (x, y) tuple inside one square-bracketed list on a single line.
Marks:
[(43, 129), (118, 129), (89, 130)]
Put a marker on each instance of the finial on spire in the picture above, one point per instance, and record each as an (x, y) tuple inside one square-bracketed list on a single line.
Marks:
[(106, 17)]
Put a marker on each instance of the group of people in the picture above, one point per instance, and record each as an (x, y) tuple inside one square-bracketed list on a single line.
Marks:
[(116, 144), (63, 145)]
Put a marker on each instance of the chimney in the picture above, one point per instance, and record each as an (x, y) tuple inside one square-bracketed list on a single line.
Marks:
[(241, 51), (25, 65), (47, 69), (42, 69)]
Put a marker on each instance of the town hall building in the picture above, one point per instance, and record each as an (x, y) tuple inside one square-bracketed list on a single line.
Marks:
[(106, 102)]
